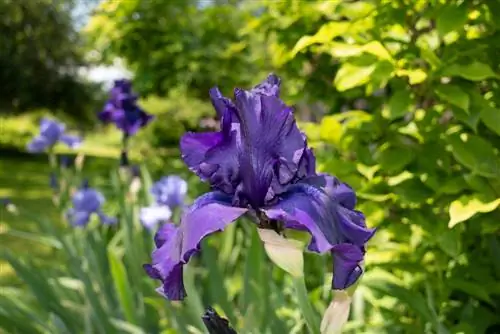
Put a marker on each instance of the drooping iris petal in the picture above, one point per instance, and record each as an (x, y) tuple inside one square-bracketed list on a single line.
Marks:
[(71, 141), (38, 144), (151, 216), (78, 218), (308, 207), (105, 219), (164, 233), (210, 213), (347, 269)]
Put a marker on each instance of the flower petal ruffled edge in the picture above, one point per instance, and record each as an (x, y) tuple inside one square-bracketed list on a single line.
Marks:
[(210, 213), (322, 206)]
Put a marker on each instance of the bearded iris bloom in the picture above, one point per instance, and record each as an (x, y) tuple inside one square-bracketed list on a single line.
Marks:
[(169, 193), (259, 165), (52, 132), (87, 202), (122, 109)]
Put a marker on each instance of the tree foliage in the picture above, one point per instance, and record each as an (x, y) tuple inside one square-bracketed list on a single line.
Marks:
[(40, 56), (174, 43)]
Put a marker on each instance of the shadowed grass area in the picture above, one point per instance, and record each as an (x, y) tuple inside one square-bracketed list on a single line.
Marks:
[(24, 179)]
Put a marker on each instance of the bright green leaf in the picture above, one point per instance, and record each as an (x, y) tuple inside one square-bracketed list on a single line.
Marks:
[(449, 241), (430, 57), (350, 76), (399, 104), (451, 18), (331, 130), (471, 118), (454, 95), (474, 289), (475, 71), (377, 49), (415, 76), (491, 118), (394, 159), (475, 153), (325, 34), (467, 206)]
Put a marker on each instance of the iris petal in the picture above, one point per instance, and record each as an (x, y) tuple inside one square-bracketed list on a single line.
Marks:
[(151, 216), (38, 144), (51, 130), (71, 141), (105, 219), (347, 269), (210, 213), (78, 218), (311, 205), (164, 233)]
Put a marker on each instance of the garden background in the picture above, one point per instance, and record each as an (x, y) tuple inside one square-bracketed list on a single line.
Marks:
[(400, 99)]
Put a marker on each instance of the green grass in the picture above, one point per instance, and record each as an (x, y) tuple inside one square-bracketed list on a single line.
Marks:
[(24, 179)]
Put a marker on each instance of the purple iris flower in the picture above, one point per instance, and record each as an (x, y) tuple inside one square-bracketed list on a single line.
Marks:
[(259, 164), (86, 202), (122, 109), (169, 193), (51, 132)]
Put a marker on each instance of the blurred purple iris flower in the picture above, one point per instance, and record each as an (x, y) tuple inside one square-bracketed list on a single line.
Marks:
[(51, 132), (122, 109), (86, 202), (259, 164), (169, 193)]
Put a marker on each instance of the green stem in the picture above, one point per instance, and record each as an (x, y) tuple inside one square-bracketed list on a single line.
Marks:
[(312, 321), (193, 300)]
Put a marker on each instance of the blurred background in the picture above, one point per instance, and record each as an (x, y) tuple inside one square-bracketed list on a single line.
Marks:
[(399, 98)]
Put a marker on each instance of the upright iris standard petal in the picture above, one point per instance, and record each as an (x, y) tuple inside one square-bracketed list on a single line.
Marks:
[(38, 144), (50, 133), (170, 191), (258, 148), (333, 226), (210, 213)]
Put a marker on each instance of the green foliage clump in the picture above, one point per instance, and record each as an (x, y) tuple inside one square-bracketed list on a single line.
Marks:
[(175, 114)]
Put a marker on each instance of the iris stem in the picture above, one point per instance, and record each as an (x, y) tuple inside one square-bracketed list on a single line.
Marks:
[(312, 321)]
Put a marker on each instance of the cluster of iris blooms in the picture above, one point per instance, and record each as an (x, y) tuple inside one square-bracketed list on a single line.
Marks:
[(258, 165)]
